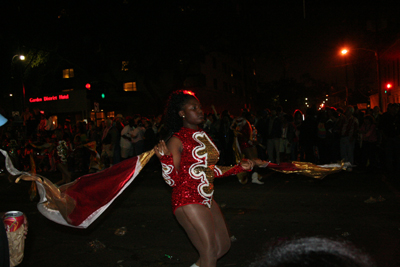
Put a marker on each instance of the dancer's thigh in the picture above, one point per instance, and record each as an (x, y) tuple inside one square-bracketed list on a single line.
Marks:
[(198, 222)]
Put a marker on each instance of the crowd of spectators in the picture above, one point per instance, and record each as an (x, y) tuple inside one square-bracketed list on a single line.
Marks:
[(365, 138), (36, 136), (368, 139)]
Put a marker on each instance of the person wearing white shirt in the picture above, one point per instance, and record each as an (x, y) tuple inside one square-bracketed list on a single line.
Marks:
[(127, 148)]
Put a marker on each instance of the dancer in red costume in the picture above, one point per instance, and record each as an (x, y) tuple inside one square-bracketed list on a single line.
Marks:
[(188, 160), (245, 145)]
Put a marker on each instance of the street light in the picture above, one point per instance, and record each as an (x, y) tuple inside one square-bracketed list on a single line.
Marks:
[(378, 76), (21, 58), (344, 53)]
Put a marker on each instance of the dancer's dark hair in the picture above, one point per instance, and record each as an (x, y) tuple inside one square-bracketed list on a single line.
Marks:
[(175, 103)]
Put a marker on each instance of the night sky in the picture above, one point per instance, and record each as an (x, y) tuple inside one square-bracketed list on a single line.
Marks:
[(308, 40), (287, 38)]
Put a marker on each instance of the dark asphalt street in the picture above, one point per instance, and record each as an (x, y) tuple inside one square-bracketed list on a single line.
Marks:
[(285, 206)]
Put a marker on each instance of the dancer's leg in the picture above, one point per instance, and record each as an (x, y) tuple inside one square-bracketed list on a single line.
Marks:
[(198, 222), (252, 154), (221, 231)]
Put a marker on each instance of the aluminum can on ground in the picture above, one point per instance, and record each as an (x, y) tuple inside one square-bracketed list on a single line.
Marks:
[(13, 220)]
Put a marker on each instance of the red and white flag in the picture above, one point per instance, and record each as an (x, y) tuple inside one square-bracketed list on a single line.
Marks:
[(81, 202)]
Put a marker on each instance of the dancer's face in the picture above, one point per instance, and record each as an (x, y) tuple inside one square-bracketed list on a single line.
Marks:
[(192, 113)]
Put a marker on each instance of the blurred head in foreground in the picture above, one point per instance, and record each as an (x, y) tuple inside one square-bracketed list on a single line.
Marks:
[(314, 252)]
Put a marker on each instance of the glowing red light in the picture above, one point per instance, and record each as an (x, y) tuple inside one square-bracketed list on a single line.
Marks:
[(389, 85), (88, 86)]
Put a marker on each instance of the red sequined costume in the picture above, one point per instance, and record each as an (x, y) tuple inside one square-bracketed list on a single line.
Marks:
[(193, 183)]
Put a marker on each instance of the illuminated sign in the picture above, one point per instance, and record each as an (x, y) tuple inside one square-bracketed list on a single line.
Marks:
[(49, 98)]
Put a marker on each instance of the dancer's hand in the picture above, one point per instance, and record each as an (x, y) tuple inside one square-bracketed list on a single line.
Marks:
[(247, 164), (161, 149)]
